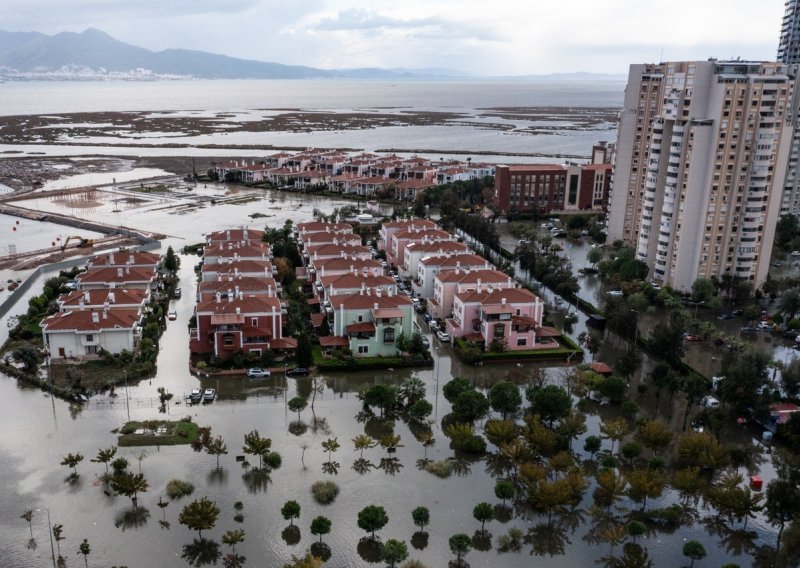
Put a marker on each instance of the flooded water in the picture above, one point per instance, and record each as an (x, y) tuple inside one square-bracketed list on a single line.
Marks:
[(39, 431)]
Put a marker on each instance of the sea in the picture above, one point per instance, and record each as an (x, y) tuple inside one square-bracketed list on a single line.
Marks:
[(249, 99)]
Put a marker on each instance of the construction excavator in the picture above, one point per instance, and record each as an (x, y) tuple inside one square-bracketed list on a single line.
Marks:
[(82, 243)]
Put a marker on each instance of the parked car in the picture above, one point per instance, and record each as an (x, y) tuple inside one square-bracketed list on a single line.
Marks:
[(196, 395), (710, 402), (765, 326), (258, 373), (173, 315), (434, 325), (725, 317), (796, 253), (443, 336), (692, 337), (297, 372), (425, 341), (177, 293), (615, 293), (209, 395), (427, 318)]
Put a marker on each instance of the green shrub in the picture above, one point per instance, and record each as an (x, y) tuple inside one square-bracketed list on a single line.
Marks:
[(441, 468), (475, 445), (324, 492), (177, 488)]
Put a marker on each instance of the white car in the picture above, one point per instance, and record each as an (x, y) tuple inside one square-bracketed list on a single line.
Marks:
[(258, 373), (615, 293), (172, 316), (443, 336), (796, 253)]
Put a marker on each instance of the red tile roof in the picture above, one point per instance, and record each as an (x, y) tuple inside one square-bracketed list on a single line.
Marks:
[(601, 368), (331, 264), (351, 280), (495, 297), (451, 261), (250, 266), (122, 258), (241, 234), (110, 274), (82, 320), (100, 296), (253, 305), (360, 327), (461, 276), (358, 301), (334, 341)]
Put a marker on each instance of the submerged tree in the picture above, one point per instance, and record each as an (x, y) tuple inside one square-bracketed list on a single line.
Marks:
[(129, 485), (72, 460), (105, 456), (199, 515), (290, 511), (372, 518)]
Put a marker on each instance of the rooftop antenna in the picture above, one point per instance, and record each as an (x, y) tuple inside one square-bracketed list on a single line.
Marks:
[(661, 57)]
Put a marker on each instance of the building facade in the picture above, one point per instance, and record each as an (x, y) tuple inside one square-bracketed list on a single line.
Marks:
[(700, 165)]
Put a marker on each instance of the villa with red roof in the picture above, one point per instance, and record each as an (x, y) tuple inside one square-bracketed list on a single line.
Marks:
[(104, 298), (400, 239), (81, 334), (387, 230), (319, 267), (234, 268), (242, 235), (429, 266), (126, 259), (139, 278), (415, 251), (248, 324), (511, 315), (372, 322), (448, 283), (342, 284)]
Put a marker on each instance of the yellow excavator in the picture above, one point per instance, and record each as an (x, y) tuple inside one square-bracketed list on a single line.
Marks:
[(82, 243)]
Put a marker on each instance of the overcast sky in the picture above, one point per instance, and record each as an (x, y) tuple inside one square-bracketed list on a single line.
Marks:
[(495, 37)]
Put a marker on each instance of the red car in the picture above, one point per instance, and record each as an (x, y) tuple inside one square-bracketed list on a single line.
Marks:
[(690, 337)]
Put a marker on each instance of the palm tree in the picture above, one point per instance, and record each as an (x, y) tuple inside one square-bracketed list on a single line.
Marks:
[(28, 516), (363, 442), (86, 550), (72, 460), (105, 456)]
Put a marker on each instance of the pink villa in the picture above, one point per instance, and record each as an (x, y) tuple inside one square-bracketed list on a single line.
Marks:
[(343, 265), (513, 315), (448, 283), (389, 229), (395, 254)]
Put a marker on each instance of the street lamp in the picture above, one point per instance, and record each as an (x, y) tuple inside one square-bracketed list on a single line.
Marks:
[(636, 329), (50, 531), (695, 307), (127, 398)]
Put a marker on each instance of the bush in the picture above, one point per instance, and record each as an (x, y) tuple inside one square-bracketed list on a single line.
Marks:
[(177, 488), (475, 445), (324, 492), (440, 468)]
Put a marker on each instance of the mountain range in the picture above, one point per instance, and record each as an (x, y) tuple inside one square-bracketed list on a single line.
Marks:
[(40, 54)]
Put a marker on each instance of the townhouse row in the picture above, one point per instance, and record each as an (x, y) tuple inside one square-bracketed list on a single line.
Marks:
[(106, 308)]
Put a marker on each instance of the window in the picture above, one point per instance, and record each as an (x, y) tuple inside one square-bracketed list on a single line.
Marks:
[(388, 335), (499, 330), (227, 340), (89, 337), (522, 341), (363, 349), (254, 322)]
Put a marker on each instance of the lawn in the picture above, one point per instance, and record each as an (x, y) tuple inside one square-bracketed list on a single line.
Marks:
[(166, 433)]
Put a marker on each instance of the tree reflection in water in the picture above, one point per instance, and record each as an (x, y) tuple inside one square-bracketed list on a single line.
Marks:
[(547, 539), (201, 552), (362, 466), (217, 477), (256, 480), (298, 427), (369, 550), (482, 541), (132, 518), (419, 540), (390, 466), (321, 551), (291, 535), (331, 468)]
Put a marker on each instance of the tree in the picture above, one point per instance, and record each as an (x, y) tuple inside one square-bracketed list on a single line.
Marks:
[(105, 456), (644, 484), (420, 410), (594, 255), (460, 545), (393, 552), (412, 390), (28, 516), (72, 460), (308, 561), (382, 396), (421, 517), (636, 529), (129, 485), (86, 550), (28, 356), (572, 426), (694, 550), (454, 387), (232, 538), (782, 503), (216, 447), (297, 404), (255, 445), (363, 442), (551, 402), (199, 515), (171, 261), (505, 398), (504, 490), (614, 430), (58, 536), (655, 435), (303, 353), (320, 526), (483, 512), (290, 511), (470, 406), (702, 290), (592, 445), (330, 445), (372, 518)]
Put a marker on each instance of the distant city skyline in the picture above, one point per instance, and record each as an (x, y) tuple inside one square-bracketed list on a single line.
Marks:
[(508, 38)]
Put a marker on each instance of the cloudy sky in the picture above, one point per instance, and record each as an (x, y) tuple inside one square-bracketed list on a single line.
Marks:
[(499, 37)]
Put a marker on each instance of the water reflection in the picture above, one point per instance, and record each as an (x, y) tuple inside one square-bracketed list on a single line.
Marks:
[(132, 518), (291, 535), (201, 552)]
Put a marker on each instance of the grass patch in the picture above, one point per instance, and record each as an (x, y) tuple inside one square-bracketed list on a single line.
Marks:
[(441, 468), (177, 488), (177, 433), (561, 350), (365, 363), (324, 492)]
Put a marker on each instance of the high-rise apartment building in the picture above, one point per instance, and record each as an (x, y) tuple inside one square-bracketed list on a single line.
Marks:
[(789, 53), (701, 159)]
